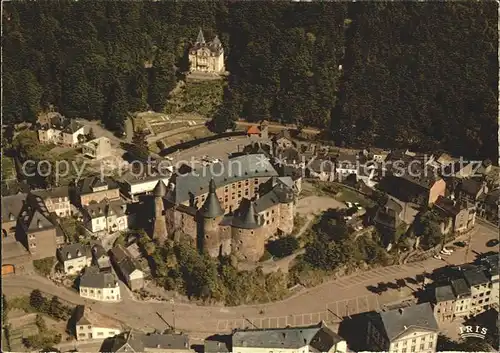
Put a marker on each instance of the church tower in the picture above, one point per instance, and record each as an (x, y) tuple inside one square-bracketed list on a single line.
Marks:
[(210, 216), (160, 225)]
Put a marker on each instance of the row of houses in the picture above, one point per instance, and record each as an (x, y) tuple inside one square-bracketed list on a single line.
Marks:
[(475, 290), (401, 329), (97, 279)]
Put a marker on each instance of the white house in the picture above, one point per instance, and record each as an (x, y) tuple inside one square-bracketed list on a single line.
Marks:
[(74, 257), (90, 325), (140, 184), (316, 338), (346, 165), (102, 286), (106, 216), (60, 131)]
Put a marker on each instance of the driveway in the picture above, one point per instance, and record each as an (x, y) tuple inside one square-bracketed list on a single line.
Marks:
[(317, 204)]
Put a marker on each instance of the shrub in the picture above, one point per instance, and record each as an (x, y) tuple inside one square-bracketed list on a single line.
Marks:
[(44, 266), (283, 246)]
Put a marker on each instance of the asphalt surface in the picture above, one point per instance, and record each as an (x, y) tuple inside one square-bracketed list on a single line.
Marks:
[(208, 319)]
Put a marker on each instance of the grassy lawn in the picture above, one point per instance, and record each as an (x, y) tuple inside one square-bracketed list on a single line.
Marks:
[(202, 97), (22, 303), (44, 266)]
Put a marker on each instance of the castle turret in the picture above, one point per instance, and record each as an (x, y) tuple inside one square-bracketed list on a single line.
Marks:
[(159, 226), (248, 238), (200, 39), (211, 208), (210, 216)]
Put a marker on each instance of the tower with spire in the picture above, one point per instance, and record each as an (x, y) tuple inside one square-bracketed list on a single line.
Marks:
[(210, 217), (160, 224), (248, 242), (206, 57)]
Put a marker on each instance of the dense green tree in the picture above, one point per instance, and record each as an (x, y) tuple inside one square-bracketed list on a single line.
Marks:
[(5, 308), (37, 300), (116, 108), (283, 246)]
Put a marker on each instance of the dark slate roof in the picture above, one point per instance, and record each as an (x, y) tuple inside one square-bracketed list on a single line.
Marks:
[(245, 216), (137, 342), (98, 251), (475, 276), (280, 193), (211, 208), (471, 186), (86, 185), (444, 293), (218, 344), (214, 46), (289, 155), (493, 197), (232, 170), (124, 260), (106, 208), (318, 336), (93, 279), (460, 287), (397, 321), (160, 189), (61, 123), (73, 250), (447, 205), (11, 206), (492, 263)]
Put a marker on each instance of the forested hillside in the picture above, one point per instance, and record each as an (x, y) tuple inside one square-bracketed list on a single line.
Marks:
[(413, 74)]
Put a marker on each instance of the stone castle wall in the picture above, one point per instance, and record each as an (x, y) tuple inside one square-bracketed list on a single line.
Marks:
[(248, 244)]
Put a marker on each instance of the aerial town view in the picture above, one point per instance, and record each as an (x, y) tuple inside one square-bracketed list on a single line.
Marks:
[(250, 176)]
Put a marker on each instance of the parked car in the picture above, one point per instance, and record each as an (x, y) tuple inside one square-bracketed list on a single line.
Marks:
[(168, 158), (358, 206), (437, 257), (442, 252), (461, 244), (448, 250), (349, 204)]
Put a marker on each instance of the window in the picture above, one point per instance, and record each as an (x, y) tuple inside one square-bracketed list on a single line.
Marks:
[(404, 343), (100, 333), (413, 348), (481, 295), (111, 332), (413, 341), (430, 345), (396, 345), (481, 301), (81, 334), (404, 350), (422, 347), (488, 292), (89, 327), (81, 327)]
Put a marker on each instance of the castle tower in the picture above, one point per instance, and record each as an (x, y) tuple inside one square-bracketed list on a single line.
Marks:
[(247, 232), (159, 226), (211, 214)]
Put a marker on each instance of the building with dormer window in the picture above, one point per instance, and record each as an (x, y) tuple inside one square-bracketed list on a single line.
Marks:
[(74, 258), (206, 56)]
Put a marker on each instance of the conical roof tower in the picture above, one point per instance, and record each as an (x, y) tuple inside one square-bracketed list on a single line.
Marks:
[(160, 189), (246, 217), (200, 39), (211, 208)]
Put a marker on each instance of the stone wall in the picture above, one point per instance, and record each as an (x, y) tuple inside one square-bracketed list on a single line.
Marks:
[(248, 244)]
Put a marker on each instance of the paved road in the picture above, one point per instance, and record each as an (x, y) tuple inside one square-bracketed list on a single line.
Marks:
[(214, 149), (207, 319)]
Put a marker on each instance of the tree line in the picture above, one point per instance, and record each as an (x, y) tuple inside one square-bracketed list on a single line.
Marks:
[(418, 75)]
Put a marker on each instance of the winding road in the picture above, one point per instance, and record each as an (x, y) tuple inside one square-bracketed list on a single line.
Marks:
[(198, 319)]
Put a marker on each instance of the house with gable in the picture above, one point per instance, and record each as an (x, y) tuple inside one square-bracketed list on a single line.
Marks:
[(405, 329), (127, 268), (74, 258), (314, 338), (135, 342)]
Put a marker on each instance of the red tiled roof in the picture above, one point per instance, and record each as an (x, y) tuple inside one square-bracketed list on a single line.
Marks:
[(253, 130)]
